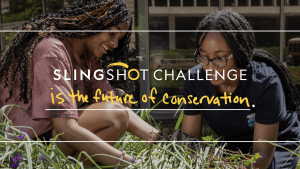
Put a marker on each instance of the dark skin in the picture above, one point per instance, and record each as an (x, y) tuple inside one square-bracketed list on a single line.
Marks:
[(104, 125), (214, 45), (99, 44)]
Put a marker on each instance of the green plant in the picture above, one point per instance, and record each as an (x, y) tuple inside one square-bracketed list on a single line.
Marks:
[(8, 37), (168, 154), (295, 72), (18, 150), (275, 52), (22, 10)]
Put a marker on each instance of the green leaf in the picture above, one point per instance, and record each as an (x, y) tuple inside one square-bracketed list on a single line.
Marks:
[(247, 163), (236, 158), (47, 157), (179, 120), (257, 155)]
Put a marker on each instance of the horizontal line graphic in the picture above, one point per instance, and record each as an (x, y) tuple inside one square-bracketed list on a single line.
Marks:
[(150, 31), (152, 141), (147, 109)]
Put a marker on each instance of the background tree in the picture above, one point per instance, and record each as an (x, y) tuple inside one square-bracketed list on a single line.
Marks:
[(22, 10)]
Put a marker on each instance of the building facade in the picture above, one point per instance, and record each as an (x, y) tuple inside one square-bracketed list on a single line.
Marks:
[(186, 14)]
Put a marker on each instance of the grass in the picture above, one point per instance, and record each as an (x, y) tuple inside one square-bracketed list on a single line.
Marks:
[(160, 155), (295, 72)]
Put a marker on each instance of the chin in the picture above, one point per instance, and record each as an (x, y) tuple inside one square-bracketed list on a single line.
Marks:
[(99, 55), (216, 83)]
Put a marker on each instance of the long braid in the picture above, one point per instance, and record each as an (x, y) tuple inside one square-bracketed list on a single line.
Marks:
[(242, 45), (289, 86), (80, 15)]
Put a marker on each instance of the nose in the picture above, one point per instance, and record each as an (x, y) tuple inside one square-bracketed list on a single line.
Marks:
[(210, 65), (114, 42)]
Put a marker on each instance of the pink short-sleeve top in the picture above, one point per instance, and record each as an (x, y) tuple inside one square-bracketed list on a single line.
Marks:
[(53, 58)]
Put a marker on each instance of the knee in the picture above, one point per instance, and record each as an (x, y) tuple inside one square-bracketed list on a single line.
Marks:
[(119, 116)]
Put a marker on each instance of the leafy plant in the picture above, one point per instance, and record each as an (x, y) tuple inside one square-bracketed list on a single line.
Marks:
[(295, 72), (275, 51), (165, 154), (22, 10)]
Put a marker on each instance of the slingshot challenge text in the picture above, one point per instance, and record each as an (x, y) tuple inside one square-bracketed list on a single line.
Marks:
[(99, 75)]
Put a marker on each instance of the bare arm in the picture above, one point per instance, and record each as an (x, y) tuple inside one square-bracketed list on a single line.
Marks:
[(266, 150), (73, 132), (192, 125)]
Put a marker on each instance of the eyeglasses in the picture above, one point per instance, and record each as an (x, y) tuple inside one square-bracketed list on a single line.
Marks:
[(202, 60)]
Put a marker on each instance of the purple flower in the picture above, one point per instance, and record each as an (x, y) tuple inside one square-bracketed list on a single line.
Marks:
[(19, 156), (42, 157), (21, 137), (15, 161), (13, 165)]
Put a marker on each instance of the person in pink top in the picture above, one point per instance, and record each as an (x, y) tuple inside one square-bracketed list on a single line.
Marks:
[(38, 66)]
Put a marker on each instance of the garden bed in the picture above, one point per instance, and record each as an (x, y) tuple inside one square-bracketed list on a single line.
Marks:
[(171, 154)]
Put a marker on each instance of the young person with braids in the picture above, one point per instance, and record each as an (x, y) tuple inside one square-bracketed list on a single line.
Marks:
[(27, 71), (269, 88)]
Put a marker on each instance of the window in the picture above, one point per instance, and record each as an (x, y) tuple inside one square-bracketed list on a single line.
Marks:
[(186, 40), (255, 2), (229, 3), (174, 2), (290, 47), (242, 3), (214, 3), (160, 2), (295, 47), (292, 23), (268, 2), (293, 2), (278, 2), (159, 40), (201, 2), (188, 3), (264, 39)]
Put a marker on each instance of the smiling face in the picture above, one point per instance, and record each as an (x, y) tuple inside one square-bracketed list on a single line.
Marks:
[(99, 44), (213, 46)]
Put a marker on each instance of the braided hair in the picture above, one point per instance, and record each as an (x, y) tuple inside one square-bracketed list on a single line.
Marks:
[(242, 45), (80, 15)]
